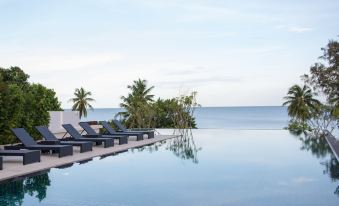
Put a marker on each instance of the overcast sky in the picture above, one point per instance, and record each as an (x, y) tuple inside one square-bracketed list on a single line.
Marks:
[(233, 53)]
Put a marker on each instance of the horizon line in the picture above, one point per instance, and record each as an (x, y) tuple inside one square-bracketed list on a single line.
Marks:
[(195, 107)]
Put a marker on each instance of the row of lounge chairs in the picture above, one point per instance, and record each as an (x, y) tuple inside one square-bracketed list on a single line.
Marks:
[(30, 150)]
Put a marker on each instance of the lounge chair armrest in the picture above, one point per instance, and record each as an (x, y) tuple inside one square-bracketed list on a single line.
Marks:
[(15, 146), (49, 142), (92, 135), (67, 139)]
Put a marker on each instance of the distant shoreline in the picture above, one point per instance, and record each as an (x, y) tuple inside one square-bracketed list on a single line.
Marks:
[(197, 107)]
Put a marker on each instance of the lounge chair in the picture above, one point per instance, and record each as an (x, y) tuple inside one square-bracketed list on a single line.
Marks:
[(76, 136), (122, 139), (29, 143), (29, 156), (150, 133), (50, 138), (111, 131)]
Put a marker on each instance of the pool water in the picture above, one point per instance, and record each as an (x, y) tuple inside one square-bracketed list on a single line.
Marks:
[(205, 167)]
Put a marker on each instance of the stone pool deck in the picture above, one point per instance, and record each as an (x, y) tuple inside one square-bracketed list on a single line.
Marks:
[(334, 144), (13, 167)]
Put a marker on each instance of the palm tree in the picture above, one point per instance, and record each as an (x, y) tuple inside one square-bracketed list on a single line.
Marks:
[(81, 101), (301, 103), (137, 104)]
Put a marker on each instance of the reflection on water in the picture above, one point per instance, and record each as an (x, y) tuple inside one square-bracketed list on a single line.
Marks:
[(13, 193), (184, 146), (232, 172), (319, 148)]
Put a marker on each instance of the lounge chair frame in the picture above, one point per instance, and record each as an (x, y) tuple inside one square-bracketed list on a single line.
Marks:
[(150, 133), (29, 143), (76, 136), (28, 156), (123, 139), (50, 138)]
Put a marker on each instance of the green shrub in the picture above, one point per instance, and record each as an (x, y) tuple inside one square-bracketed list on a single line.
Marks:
[(23, 104)]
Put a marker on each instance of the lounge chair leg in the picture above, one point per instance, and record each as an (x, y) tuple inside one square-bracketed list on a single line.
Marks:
[(31, 158), (123, 140), (65, 151), (86, 147), (150, 135), (109, 143), (140, 137)]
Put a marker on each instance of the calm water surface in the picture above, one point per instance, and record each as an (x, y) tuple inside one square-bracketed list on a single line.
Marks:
[(211, 167), (274, 117)]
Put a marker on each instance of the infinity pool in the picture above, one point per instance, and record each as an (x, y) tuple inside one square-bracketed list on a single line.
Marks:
[(209, 167)]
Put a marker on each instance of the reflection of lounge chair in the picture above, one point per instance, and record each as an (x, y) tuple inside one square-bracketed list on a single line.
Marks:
[(51, 139), (29, 143), (111, 131), (76, 136), (28, 156), (150, 133), (122, 139)]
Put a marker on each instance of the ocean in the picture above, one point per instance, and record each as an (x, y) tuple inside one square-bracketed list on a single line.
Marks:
[(263, 117)]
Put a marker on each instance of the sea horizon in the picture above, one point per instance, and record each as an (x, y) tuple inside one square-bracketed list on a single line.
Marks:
[(238, 117)]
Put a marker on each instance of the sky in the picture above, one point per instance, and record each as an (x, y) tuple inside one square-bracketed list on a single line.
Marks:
[(233, 53)]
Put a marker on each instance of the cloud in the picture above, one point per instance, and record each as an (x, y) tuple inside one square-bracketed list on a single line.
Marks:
[(199, 81), (303, 180), (296, 181), (295, 29), (299, 29), (56, 60)]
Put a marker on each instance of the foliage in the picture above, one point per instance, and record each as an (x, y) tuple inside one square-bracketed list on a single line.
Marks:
[(319, 148), (322, 120), (81, 101), (297, 127), (137, 105), (324, 76), (184, 146), (301, 103), (13, 193), (23, 104), (323, 79), (141, 111)]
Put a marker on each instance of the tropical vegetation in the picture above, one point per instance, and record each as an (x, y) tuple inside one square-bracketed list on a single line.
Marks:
[(142, 111), (81, 101), (23, 104), (308, 113)]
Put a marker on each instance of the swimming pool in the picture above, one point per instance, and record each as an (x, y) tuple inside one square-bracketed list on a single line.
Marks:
[(209, 167)]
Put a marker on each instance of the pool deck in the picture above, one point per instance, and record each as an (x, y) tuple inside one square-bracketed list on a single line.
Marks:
[(13, 167), (334, 144)]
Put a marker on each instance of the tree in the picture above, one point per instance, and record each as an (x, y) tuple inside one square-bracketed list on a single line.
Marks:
[(14, 75), (141, 111), (82, 101), (324, 76), (324, 80), (137, 104), (23, 104), (301, 103)]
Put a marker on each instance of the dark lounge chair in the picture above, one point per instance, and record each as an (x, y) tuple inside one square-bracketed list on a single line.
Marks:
[(111, 131), (76, 136), (122, 139), (150, 133), (29, 156), (29, 143), (50, 138)]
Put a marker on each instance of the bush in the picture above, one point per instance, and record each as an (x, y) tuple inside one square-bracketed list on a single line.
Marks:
[(23, 104)]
